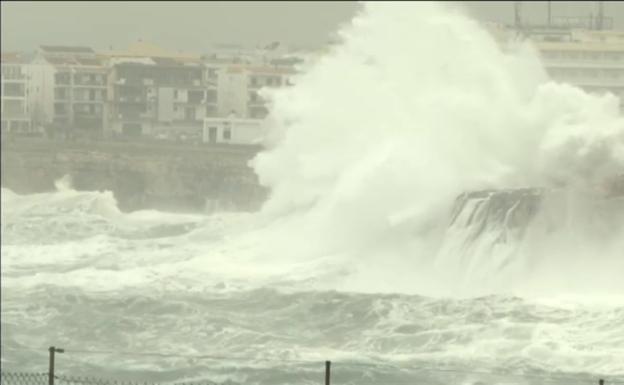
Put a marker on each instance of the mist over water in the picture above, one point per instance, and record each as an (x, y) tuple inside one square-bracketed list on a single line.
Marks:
[(363, 252)]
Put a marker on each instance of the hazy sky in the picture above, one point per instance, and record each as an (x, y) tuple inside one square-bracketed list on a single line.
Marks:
[(194, 26)]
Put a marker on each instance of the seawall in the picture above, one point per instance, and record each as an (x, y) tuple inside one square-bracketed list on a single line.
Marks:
[(164, 176)]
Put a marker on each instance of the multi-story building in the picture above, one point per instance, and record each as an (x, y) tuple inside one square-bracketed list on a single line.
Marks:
[(70, 89), (15, 108), (240, 85), (162, 97), (591, 60)]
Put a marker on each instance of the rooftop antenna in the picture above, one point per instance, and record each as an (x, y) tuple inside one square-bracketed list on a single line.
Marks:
[(549, 22), (517, 14), (600, 17)]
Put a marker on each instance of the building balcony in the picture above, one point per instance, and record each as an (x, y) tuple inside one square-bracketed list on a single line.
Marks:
[(89, 101), (14, 97), (131, 100), (88, 115), (17, 78), (256, 103), (583, 64), (592, 82), (16, 115), (133, 82), (14, 80), (89, 85)]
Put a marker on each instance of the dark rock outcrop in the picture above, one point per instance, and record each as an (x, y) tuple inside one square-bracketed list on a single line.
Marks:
[(141, 175)]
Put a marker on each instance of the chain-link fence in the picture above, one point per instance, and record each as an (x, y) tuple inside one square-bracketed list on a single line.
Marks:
[(23, 378), (222, 370), (338, 376), (17, 378)]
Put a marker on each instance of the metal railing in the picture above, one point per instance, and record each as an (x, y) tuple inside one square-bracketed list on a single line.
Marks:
[(352, 373)]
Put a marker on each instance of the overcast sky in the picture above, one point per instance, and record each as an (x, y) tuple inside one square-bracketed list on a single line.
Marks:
[(194, 26)]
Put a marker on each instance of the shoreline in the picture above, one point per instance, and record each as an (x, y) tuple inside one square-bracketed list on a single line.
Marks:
[(141, 174)]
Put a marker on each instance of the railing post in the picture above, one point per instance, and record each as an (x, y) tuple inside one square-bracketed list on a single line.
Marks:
[(52, 351), (601, 382), (327, 372)]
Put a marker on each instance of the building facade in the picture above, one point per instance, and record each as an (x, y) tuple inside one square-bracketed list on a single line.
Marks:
[(232, 130), (144, 90), (16, 117), (591, 60), (69, 90), (162, 98), (240, 85)]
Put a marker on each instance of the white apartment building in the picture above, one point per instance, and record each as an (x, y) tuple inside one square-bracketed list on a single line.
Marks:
[(591, 60), (69, 89), (232, 130), (239, 86), (14, 91)]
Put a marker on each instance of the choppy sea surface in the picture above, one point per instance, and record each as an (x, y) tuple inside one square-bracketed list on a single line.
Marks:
[(163, 297), (353, 258)]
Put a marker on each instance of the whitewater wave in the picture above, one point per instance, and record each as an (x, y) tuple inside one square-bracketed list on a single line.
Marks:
[(375, 142), (370, 151)]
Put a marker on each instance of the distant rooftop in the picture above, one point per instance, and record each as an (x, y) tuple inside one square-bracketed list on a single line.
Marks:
[(73, 61), (65, 49), (264, 70), (14, 57), (153, 61), (148, 50)]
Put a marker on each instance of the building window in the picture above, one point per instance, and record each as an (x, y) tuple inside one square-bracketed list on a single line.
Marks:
[(227, 133), (195, 96), (175, 94), (211, 96), (189, 113), (14, 89)]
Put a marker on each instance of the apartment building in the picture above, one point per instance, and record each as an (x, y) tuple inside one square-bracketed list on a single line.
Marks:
[(591, 60), (14, 94), (161, 97), (240, 85), (69, 89), (144, 90)]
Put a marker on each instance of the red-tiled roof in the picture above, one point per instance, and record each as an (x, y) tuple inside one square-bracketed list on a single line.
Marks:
[(12, 57)]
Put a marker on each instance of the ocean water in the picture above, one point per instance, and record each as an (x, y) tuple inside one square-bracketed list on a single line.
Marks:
[(209, 291), (363, 254)]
